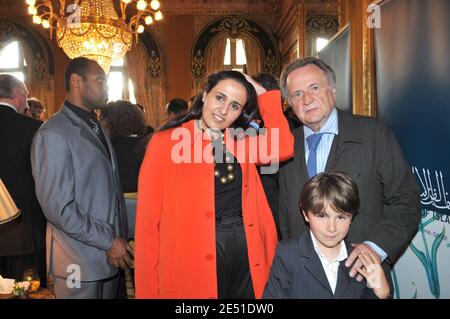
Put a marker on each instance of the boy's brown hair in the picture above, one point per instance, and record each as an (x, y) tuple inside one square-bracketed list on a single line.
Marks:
[(333, 188)]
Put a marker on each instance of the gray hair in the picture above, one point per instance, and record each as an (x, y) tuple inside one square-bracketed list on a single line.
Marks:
[(299, 63), (7, 84)]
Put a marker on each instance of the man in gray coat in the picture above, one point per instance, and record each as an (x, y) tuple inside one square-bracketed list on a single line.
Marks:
[(363, 148), (78, 187)]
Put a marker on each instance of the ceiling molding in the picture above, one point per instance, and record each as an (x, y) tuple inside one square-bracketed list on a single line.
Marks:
[(7, 4), (219, 6), (328, 7)]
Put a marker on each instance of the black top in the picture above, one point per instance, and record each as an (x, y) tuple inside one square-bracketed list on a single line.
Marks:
[(129, 159), (81, 113), (228, 197), (89, 117), (271, 189)]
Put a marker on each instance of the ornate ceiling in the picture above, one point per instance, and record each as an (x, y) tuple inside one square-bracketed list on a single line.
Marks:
[(6, 4), (219, 6), (243, 6), (322, 6)]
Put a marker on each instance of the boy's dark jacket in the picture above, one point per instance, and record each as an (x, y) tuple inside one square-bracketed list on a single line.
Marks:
[(297, 273)]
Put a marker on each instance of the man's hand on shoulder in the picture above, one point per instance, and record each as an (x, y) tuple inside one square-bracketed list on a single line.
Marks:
[(354, 262)]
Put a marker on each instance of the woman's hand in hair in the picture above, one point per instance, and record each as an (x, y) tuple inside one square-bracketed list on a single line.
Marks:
[(258, 88)]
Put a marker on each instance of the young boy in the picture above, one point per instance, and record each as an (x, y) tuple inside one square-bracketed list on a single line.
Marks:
[(312, 265)]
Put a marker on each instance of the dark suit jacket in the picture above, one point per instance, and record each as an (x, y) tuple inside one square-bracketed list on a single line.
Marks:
[(297, 273), (366, 150), (270, 185), (27, 233)]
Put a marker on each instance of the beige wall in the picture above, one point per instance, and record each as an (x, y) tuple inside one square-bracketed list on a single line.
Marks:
[(177, 36)]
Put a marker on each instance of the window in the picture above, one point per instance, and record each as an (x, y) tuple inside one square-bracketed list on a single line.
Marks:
[(12, 61), (119, 83), (321, 43), (235, 58)]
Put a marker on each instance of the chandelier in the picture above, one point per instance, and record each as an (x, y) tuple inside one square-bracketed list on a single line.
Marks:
[(93, 28)]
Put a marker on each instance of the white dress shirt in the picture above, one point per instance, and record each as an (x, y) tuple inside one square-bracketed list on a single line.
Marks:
[(331, 267)]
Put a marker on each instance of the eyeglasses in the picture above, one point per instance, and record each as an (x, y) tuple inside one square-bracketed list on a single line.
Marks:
[(297, 96)]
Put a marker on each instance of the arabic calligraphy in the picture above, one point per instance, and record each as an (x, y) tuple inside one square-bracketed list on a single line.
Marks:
[(433, 189)]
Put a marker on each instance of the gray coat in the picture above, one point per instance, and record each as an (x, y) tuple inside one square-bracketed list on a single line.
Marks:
[(78, 187), (366, 150)]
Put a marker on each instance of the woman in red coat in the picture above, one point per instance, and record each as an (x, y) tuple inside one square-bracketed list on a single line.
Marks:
[(204, 228)]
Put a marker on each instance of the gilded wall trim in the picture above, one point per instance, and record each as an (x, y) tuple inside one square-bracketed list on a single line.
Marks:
[(368, 75), (154, 52), (41, 54), (301, 13), (234, 25), (343, 12), (363, 63), (323, 24), (220, 7)]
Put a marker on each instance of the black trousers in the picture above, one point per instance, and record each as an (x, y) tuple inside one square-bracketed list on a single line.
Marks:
[(233, 271)]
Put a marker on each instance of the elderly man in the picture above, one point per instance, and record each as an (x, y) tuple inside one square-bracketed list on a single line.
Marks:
[(22, 241), (78, 186), (362, 147)]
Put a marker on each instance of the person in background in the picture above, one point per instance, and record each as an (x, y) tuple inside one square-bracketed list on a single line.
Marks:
[(37, 108), (27, 112), (126, 125), (176, 107), (127, 128), (150, 129), (269, 179), (22, 241)]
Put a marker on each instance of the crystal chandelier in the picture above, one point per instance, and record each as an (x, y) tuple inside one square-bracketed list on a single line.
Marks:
[(93, 28)]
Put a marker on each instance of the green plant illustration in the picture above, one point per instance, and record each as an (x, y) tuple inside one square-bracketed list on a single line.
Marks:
[(397, 288), (428, 260)]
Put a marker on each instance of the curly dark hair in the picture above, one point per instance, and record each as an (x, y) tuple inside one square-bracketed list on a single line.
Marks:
[(123, 118)]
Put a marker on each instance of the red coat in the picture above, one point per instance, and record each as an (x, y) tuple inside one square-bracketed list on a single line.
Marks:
[(175, 224)]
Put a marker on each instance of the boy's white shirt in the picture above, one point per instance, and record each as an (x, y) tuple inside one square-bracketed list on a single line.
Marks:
[(331, 267)]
